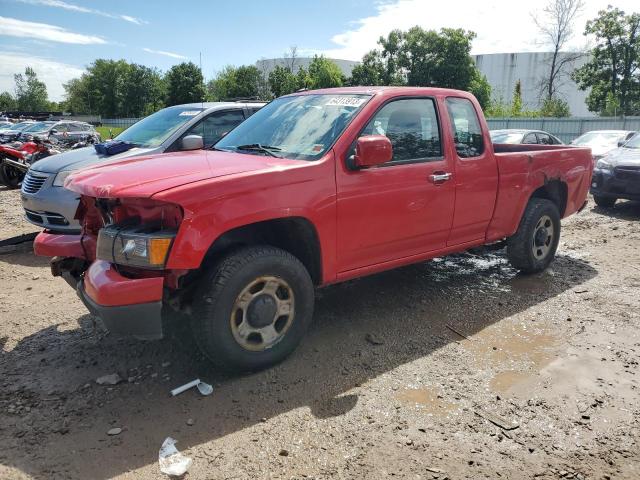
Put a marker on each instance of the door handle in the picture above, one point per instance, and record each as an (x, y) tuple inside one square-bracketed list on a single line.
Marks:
[(439, 178)]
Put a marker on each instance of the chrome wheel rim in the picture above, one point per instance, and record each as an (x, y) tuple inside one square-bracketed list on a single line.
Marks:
[(543, 235), (262, 313)]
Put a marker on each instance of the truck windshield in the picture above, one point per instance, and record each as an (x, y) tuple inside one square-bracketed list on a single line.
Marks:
[(634, 142), (151, 131), (301, 127)]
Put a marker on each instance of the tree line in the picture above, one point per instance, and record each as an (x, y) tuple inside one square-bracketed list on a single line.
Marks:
[(416, 57)]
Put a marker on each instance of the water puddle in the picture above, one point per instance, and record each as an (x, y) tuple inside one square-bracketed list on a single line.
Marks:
[(426, 400), (518, 353)]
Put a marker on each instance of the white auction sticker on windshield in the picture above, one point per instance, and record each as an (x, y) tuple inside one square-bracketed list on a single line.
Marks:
[(345, 102), (189, 113)]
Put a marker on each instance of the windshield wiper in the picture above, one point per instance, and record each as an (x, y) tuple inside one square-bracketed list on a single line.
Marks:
[(268, 149)]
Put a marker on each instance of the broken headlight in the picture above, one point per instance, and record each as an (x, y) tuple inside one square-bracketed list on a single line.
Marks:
[(136, 246)]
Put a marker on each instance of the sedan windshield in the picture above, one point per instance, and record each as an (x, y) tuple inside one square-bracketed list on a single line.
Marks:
[(301, 127), (506, 137), (600, 138), (38, 127), (151, 131)]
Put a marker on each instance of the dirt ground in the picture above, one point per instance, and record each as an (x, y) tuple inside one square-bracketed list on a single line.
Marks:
[(455, 368)]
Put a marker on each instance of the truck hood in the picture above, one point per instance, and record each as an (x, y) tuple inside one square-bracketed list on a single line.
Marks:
[(142, 177), (81, 158), (621, 157)]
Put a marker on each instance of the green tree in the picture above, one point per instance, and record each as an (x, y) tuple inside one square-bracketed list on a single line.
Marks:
[(323, 73), (31, 93), (555, 107), (7, 102), (142, 89), (516, 102), (421, 57), (613, 72), (185, 84), (282, 81), (235, 82)]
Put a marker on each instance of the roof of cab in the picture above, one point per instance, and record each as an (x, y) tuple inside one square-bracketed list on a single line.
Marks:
[(380, 90)]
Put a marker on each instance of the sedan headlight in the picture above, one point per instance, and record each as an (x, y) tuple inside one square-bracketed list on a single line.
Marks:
[(604, 165), (139, 246), (61, 177)]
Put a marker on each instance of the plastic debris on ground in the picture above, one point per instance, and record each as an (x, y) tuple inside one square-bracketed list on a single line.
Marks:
[(204, 388), (172, 462)]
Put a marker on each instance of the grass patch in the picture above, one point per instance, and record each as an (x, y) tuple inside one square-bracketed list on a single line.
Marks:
[(104, 131)]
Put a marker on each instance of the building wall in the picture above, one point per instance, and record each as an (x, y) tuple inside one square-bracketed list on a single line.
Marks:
[(503, 70), (268, 64)]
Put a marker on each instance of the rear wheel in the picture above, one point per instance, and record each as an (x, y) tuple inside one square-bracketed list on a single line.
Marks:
[(534, 244), (604, 202), (9, 176), (253, 309)]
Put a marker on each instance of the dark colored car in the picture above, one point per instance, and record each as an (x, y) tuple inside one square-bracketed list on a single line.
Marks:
[(617, 175), (517, 136)]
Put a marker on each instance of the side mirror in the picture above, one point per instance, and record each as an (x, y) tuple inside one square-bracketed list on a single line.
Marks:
[(372, 150), (621, 142), (192, 142), (53, 131)]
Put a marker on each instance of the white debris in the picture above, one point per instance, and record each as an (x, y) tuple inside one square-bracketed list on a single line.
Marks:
[(172, 462), (203, 388)]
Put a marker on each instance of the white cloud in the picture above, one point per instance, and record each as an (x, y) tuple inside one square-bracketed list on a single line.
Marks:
[(501, 26), (42, 31), (166, 54), (81, 9), (52, 73)]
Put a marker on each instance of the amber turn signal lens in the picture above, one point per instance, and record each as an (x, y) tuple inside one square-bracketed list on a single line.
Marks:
[(158, 249)]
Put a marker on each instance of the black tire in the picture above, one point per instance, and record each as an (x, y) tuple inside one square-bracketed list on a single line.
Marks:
[(9, 176), (604, 202), (526, 249), (215, 308)]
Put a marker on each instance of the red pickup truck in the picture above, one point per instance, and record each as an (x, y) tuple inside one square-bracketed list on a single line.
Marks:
[(316, 188)]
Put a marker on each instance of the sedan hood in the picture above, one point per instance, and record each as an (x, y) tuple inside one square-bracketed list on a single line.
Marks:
[(81, 158), (142, 177), (621, 157)]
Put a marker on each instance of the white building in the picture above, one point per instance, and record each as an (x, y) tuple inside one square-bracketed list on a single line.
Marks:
[(503, 70)]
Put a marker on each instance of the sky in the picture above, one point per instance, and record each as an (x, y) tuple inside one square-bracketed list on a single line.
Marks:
[(59, 38)]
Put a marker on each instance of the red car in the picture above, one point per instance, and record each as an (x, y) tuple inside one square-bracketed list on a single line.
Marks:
[(316, 188)]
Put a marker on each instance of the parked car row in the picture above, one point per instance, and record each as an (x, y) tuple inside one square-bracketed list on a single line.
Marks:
[(233, 222), (66, 132)]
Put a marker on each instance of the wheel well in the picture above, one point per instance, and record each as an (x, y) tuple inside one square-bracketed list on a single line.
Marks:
[(556, 191), (296, 235)]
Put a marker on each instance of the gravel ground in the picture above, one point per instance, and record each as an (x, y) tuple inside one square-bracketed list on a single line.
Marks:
[(455, 368)]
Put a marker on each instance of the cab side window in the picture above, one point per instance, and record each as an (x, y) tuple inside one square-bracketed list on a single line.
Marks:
[(530, 138), (216, 125), (465, 127), (412, 127)]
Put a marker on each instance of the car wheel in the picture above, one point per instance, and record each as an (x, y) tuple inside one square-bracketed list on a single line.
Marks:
[(604, 202), (253, 309), (534, 244)]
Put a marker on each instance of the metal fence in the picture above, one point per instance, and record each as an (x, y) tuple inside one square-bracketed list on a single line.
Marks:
[(118, 122), (566, 129)]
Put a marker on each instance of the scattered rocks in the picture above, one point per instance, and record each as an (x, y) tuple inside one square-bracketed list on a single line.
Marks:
[(284, 453), (373, 339), (190, 422), (114, 431)]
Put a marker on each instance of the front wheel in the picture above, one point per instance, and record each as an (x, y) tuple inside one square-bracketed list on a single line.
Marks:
[(10, 176), (604, 202), (534, 244), (253, 309)]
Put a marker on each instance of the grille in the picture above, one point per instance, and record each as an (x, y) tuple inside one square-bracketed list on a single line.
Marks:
[(32, 183), (46, 218), (628, 173)]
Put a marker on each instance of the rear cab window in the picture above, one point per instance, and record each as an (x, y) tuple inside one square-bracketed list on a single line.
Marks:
[(465, 127)]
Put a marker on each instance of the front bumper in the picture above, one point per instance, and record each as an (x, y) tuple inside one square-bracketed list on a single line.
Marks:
[(49, 207), (126, 306), (616, 184)]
